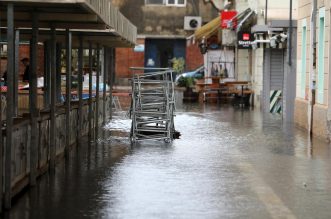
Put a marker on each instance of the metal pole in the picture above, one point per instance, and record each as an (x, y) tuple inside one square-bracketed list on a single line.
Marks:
[(111, 79), (68, 89), (266, 13), (105, 71), (90, 134), (53, 99), (97, 93), (16, 72), (33, 100), (290, 37), (58, 72), (80, 90), (312, 64), (10, 103)]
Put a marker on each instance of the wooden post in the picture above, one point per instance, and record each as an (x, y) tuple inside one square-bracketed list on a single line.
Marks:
[(33, 100), (16, 71), (10, 103), (105, 72), (47, 75), (97, 93), (80, 90), (58, 72), (53, 100), (68, 89), (90, 130)]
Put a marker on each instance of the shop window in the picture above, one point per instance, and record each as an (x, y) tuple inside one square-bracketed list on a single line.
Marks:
[(321, 45), (303, 59)]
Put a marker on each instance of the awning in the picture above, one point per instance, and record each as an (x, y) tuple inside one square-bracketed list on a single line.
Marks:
[(100, 18), (208, 29), (241, 19)]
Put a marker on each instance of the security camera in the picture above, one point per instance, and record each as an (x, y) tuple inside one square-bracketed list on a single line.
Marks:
[(254, 46), (283, 37), (273, 43)]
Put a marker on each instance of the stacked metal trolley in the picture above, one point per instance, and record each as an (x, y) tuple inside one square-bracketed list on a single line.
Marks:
[(152, 105)]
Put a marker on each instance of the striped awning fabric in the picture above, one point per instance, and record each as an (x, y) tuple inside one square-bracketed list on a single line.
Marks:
[(263, 40)]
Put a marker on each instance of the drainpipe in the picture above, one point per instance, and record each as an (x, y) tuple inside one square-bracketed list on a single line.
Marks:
[(312, 68), (266, 13), (329, 95), (290, 36)]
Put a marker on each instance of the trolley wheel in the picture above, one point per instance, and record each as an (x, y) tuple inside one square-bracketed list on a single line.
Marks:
[(167, 140)]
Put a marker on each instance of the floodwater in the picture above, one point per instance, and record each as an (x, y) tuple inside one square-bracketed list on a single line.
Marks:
[(228, 163)]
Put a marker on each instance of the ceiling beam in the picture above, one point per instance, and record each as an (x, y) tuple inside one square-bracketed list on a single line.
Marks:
[(62, 25), (54, 17)]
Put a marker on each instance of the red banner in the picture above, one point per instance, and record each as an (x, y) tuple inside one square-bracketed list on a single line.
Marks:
[(226, 17)]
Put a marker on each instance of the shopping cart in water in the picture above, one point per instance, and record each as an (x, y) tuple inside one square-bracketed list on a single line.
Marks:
[(152, 104)]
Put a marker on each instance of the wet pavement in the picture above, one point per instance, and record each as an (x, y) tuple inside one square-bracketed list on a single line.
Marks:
[(229, 163)]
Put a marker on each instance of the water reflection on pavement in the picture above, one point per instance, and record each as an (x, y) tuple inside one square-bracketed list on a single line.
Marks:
[(229, 163)]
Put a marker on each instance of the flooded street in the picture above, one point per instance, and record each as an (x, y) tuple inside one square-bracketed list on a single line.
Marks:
[(228, 163)]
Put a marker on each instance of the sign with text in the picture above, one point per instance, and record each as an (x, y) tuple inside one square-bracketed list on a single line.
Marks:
[(245, 40)]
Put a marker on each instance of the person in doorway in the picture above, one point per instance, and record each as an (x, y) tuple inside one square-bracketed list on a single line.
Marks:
[(26, 74)]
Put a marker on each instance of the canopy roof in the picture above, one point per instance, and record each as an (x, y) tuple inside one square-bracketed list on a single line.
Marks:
[(97, 18), (208, 29)]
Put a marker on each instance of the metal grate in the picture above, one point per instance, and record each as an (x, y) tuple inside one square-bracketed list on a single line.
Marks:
[(152, 105)]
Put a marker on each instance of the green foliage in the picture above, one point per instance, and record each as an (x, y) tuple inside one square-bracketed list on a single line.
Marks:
[(178, 65), (186, 82)]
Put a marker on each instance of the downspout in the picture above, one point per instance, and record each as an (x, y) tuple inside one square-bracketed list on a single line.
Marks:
[(266, 13), (329, 93), (312, 67), (290, 36)]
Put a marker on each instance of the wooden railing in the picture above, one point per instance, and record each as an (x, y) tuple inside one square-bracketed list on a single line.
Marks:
[(114, 19)]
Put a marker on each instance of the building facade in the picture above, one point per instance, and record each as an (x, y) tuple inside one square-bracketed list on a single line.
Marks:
[(163, 29), (312, 108)]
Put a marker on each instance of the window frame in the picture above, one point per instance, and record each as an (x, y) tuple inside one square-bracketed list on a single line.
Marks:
[(176, 4), (154, 4), (166, 3), (321, 56), (303, 59)]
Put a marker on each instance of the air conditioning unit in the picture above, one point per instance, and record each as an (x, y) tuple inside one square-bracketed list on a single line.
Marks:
[(192, 22)]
